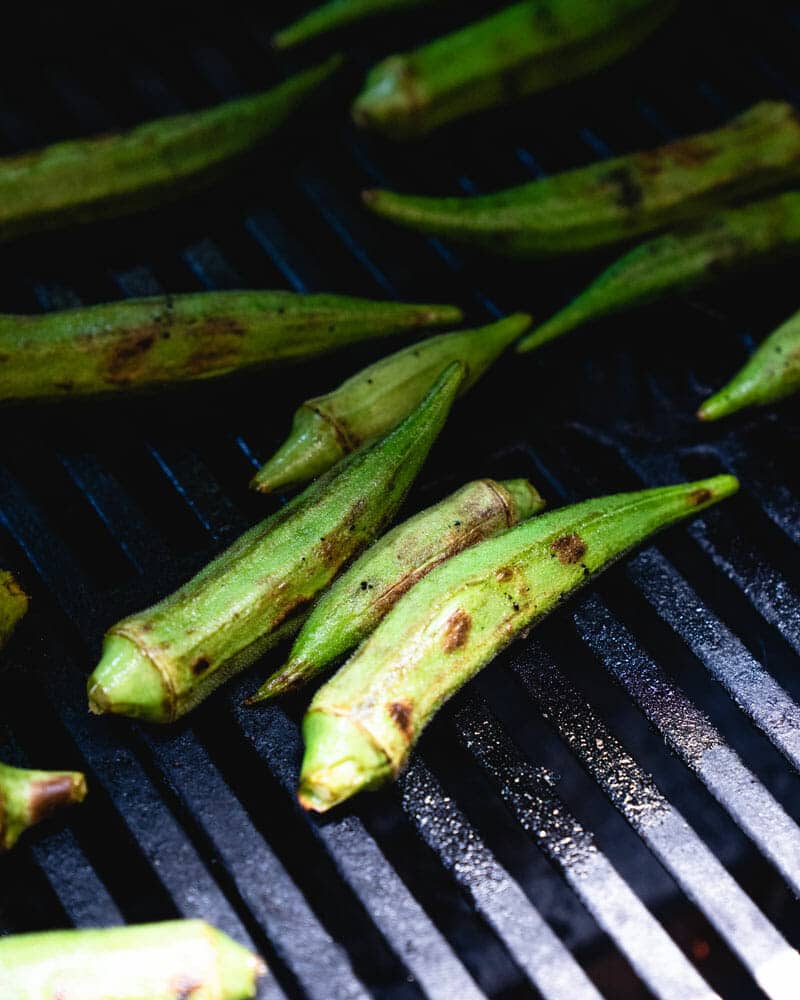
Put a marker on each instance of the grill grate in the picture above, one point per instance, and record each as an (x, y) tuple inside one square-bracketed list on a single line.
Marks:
[(612, 809)]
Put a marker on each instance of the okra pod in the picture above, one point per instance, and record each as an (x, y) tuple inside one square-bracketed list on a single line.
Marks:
[(159, 664), (164, 961), (772, 373), (377, 398), (82, 180), (525, 48), (27, 797), (13, 605), (686, 258), (337, 14), (361, 725), (145, 343), (615, 200), (364, 594)]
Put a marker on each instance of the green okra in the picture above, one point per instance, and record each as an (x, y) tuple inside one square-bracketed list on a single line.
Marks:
[(13, 605), (27, 797), (615, 200), (772, 373), (164, 961), (377, 398), (82, 180), (337, 14), (159, 664), (718, 246), (145, 343), (363, 595), (361, 725), (525, 48)]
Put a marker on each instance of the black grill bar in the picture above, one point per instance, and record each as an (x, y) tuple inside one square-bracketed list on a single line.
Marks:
[(496, 896), (773, 964), (528, 793), (693, 738)]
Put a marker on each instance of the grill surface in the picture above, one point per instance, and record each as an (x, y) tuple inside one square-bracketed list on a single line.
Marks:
[(611, 809)]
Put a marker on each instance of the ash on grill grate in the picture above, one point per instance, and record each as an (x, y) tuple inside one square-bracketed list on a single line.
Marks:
[(612, 810)]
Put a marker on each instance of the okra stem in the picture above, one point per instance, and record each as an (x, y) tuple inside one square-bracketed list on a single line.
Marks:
[(363, 595), (145, 343), (524, 48), (27, 797), (159, 664), (377, 398), (362, 724), (720, 245), (612, 201), (82, 180), (163, 961), (772, 373)]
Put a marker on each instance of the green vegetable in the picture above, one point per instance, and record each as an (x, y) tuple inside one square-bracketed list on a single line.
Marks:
[(27, 797), (143, 343), (13, 605), (718, 246), (615, 200), (365, 593), (525, 48), (167, 961), (337, 14), (362, 725), (81, 180), (772, 373), (159, 664), (377, 398)]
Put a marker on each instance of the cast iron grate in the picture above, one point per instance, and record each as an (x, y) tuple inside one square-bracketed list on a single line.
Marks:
[(612, 808)]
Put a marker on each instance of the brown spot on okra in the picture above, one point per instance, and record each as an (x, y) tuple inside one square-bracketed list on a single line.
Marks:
[(126, 355), (400, 713), (48, 794), (456, 630), (185, 987), (503, 574), (13, 587), (698, 497), (569, 549), (200, 666), (629, 191)]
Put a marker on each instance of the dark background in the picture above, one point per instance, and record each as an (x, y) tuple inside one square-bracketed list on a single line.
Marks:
[(106, 506)]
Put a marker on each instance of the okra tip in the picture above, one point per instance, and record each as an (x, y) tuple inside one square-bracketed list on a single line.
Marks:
[(313, 447), (705, 492), (390, 93), (728, 400), (56, 789), (340, 760), (127, 682), (285, 679)]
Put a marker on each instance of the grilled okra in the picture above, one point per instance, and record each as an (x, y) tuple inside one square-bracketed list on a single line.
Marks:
[(164, 961), (719, 245), (377, 398), (615, 200), (362, 724), (772, 373), (13, 605), (159, 664), (82, 180), (364, 594), (337, 14), (27, 797), (144, 343), (525, 48)]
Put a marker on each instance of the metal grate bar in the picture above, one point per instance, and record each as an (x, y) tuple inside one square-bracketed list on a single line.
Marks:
[(693, 738), (495, 894), (361, 863), (297, 936), (726, 658), (86, 900), (772, 962), (528, 793)]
